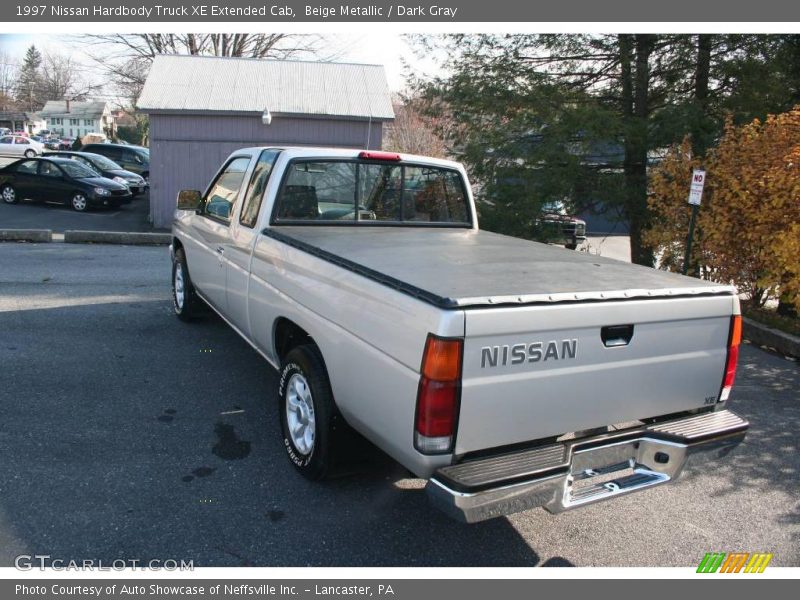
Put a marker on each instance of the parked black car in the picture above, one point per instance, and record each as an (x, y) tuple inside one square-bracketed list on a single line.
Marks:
[(132, 158), (60, 180), (107, 168)]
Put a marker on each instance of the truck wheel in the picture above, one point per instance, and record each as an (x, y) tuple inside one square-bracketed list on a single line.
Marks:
[(309, 419), (185, 301), (571, 246)]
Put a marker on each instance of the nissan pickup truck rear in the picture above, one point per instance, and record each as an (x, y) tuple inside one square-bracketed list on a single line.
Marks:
[(510, 374)]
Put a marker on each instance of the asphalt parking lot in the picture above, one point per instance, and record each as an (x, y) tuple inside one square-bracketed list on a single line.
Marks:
[(129, 434), (59, 217)]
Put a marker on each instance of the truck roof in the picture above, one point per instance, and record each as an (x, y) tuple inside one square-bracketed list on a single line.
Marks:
[(320, 152), (458, 268)]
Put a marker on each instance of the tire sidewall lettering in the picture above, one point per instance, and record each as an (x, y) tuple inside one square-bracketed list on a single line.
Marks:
[(288, 370)]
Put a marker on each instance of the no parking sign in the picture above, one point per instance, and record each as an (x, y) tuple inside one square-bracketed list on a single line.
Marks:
[(696, 189)]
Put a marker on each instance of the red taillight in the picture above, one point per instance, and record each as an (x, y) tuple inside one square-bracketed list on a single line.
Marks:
[(372, 155), (734, 339), (438, 395)]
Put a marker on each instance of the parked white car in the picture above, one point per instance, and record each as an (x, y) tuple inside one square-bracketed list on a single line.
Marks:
[(16, 145)]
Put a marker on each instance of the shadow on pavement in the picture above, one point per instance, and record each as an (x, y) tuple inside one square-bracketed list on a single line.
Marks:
[(132, 435)]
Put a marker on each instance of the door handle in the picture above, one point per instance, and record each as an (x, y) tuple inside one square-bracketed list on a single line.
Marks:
[(614, 336)]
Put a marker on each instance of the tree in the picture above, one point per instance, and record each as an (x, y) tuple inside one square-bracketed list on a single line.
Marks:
[(751, 208), (414, 132), (8, 82), (126, 58), (61, 78), (29, 80), (582, 116)]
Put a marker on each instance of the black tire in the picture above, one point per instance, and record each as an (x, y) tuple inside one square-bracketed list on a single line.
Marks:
[(79, 202), (30, 153), (9, 194), (185, 301), (571, 246), (329, 428)]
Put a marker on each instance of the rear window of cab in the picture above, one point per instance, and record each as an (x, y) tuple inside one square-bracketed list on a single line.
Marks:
[(382, 192)]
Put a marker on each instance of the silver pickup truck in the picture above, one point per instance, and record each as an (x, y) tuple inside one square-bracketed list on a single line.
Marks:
[(510, 374)]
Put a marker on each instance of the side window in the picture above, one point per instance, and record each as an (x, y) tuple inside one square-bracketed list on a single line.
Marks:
[(110, 152), (48, 169), (21, 140), (222, 195), (28, 167), (6, 140), (256, 188), (318, 191), (131, 157)]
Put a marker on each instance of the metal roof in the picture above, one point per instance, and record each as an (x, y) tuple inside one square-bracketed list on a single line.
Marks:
[(76, 109), (288, 87)]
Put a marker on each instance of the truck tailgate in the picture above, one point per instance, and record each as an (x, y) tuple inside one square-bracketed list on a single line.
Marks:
[(533, 372)]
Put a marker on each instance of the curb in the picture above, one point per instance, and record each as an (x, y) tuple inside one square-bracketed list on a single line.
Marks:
[(26, 235), (762, 335), (117, 237)]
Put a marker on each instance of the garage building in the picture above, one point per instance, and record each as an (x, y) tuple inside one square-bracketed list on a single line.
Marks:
[(203, 108)]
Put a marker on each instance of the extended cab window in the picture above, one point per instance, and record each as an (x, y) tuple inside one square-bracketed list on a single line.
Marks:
[(348, 191), (222, 195), (257, 186)]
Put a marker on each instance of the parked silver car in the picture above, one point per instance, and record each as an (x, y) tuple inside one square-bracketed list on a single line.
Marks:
[(17, 145)]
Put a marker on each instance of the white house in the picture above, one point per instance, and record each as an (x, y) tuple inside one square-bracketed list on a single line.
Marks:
[(76, 119)]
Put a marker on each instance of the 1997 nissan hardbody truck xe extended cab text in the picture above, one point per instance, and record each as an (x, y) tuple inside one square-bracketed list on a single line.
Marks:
[(508, 373)]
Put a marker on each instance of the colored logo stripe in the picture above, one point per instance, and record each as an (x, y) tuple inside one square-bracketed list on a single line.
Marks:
[(734, 563), (758, 563), (711, 562)]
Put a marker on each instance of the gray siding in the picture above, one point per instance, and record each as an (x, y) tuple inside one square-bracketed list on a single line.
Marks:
[(186, 150)]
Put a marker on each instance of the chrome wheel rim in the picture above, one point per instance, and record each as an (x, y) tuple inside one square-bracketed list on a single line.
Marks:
[(79, 202), (300, 414), (9, 195), (178, 285)]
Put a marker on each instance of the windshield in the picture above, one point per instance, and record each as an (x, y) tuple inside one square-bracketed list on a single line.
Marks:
[(555, 207), (77, 170), (371, 193), (102, 162)]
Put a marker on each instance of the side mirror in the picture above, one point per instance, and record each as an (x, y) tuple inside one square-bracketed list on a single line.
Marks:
[(189, 200)]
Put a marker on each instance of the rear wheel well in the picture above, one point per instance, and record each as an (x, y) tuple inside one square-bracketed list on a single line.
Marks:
[(287, 336)]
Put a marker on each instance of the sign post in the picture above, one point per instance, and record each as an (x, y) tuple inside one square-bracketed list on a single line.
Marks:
[(695, 196)]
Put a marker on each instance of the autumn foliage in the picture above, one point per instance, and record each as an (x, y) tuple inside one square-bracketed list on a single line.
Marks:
[(748, 227)]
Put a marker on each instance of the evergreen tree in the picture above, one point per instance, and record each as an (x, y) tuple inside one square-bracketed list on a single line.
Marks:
[(580, 118), (29, 80)]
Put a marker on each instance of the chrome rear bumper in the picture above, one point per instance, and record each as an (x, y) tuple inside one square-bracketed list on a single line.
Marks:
[(577, 472)]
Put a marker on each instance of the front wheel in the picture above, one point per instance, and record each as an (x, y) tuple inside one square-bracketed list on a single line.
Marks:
[(79, 202), (9, 194), (308, 414), (185, 301)]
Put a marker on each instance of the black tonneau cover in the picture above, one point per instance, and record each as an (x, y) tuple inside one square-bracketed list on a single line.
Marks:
[(456, 268)]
